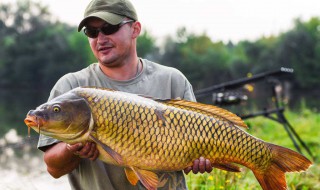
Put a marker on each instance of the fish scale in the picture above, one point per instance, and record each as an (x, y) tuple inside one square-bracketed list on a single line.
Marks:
[(146, 135)]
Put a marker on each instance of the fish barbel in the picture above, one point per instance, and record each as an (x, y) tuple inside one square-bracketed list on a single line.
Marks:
[(145, 135)]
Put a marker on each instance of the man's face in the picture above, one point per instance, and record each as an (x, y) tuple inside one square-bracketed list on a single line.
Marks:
[(111, 50)]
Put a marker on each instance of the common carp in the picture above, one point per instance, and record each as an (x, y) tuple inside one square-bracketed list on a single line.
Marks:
[(145, 135)]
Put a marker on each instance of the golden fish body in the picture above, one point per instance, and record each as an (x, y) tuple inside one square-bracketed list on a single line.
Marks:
[(159, 136), (146, 135)]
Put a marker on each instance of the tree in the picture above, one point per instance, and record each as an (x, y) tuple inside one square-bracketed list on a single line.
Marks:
[(146, 46), (202, 61), (36, 51), (299, 48)]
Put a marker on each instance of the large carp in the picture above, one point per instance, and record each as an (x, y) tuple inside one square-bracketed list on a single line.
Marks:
[(145, 135)]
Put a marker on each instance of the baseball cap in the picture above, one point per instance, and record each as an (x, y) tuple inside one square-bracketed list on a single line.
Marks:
[(111, 11)]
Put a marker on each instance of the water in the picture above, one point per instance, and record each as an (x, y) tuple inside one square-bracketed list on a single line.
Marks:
[(21, 163)]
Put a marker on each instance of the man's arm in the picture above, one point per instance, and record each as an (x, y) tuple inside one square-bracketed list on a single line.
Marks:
[(62, 158)]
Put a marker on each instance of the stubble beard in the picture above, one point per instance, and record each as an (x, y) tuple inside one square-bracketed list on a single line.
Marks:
[(110, 62)]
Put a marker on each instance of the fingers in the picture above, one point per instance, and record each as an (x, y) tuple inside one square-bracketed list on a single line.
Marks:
[(74, 147), (187, 170), (209, 167), (92, 152), (85, 151), (95, 155), (88, 150), (195, 167), (204, 165), (201, 165)]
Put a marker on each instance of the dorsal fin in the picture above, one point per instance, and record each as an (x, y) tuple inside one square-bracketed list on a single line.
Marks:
[(207, 109)]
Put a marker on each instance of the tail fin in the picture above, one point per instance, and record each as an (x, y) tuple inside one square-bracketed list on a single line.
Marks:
[(283, 160)]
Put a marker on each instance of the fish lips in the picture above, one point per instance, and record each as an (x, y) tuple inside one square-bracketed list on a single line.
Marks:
[(33, 120)]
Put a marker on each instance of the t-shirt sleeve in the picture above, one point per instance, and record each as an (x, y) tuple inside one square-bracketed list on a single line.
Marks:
[(188, 93), (181, 87)]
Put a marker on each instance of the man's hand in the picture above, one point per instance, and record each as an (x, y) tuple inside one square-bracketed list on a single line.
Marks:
[(89, 150), (199, 165)]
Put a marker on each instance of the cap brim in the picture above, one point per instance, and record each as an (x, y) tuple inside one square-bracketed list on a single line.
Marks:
[(110, 18)]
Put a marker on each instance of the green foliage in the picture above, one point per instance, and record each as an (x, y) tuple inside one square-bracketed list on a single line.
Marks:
[(36, 51), (260, 55), (146, 44), (80, 47), (201, 60), (299, 48)]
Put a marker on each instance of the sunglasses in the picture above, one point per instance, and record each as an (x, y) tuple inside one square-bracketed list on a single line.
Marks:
[(106, 29)]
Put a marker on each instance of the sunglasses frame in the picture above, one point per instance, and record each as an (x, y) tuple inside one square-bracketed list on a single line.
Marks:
[(106, 29)]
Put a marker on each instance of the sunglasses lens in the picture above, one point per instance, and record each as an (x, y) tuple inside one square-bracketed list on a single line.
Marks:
[(91, 33), (109, 29)]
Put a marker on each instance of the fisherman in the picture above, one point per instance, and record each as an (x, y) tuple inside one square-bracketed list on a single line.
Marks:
[(112, 28)]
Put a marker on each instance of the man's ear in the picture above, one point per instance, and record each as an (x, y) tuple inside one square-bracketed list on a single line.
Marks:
[(136, 29)]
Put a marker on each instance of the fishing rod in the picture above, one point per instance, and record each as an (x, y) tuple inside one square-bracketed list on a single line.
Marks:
[(240, 82)]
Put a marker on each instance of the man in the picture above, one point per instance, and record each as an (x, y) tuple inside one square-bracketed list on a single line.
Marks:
[(112, 28)]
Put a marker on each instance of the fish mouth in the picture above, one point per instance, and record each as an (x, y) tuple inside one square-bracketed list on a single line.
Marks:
[(32, 122)]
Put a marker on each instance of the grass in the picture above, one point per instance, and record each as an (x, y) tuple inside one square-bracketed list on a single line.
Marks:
[(306, 125)]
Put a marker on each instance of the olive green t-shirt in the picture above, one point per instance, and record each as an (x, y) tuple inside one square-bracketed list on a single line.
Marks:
[(156, 81)]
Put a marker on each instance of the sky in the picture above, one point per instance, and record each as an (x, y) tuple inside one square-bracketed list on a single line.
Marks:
[(221, 20)]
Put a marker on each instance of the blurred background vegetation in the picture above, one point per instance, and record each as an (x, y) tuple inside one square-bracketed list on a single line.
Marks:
[(35, 52)]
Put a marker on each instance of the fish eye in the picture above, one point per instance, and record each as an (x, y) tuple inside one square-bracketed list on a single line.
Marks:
[(56, 109)]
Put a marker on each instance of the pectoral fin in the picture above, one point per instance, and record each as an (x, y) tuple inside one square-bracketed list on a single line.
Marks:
[(226, 166), (116, 156), (148, 179), (132, 177)]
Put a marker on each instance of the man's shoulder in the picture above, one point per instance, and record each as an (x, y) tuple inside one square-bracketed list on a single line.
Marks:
[(83, 73), (73, 80), (156, 68), (78, 77)]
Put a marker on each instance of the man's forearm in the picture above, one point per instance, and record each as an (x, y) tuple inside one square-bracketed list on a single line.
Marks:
[(60, 160)]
